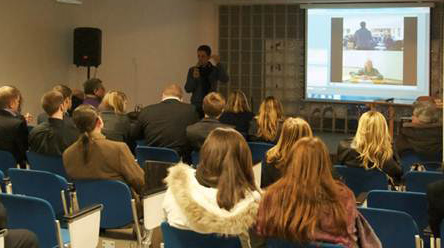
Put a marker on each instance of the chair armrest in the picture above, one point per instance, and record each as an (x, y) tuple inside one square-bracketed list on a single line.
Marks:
[(83, 213), (3, 232), (84, 226), (152, 210), (360, 199)]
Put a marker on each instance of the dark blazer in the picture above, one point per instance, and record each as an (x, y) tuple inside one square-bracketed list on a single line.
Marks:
[(52, 137), (435, 193), (252, 132), (241, 121), (424, 139), (164, 124), (118, 127), (350, 157), (43, 117), (14, 135), (197, 133), (270, 174)]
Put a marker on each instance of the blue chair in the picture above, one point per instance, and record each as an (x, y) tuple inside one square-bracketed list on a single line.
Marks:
[(144, 153), (195, 158), (417, 181), (259, 150), (275, 243), (413, 203), (409, 158), (7, 161), (395, 229), (41, 184), (360, 180), (46, 163), (177, 238)]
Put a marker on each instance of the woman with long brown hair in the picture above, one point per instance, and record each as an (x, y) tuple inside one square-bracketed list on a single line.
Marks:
[(267, 124), (307, 204), (292, 130), (237, 112), (220, 196)]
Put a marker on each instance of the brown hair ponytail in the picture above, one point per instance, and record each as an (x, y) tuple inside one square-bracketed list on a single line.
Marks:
[(85, 117)]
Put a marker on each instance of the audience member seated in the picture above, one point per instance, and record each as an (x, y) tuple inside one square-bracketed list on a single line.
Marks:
[(117, 125), (435, 192), (53, 136), (267, 125), (220, 196), (213, 106), (13, 126), (67, 102), (424, 134), (164, 124), (78, 96), (94, 92), (17, 238), (307, 204), (371, 148), (92, 156), (292, 130), (237, 112)]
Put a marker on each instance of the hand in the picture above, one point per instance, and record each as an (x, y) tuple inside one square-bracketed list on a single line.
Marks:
[(29, 118), (216, 59), (196, 73)]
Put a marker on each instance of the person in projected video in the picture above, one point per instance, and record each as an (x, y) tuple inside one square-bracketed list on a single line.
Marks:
[(363, 38), (368, 72)]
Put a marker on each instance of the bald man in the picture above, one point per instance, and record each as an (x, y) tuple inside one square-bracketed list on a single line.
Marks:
[(164, 124)]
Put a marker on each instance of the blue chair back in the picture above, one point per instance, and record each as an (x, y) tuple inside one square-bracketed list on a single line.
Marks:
[(409, 158), (46, 163), (259, 150), (195, 158), (361, 180), (275, 243), (115, 196), (395, 229), (413, 203), (178, 238), (417, 181), (40, 184), (144, 153), (7, 161), (34, 214)]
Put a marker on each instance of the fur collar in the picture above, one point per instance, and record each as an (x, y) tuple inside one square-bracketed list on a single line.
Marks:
[(210, 219)]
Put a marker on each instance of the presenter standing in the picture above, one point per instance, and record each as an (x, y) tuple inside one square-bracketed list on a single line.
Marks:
[(203, 77)]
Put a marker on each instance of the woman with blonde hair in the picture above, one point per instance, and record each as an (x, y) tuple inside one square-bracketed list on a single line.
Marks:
[(293, 129), (371, 148), (220, 196), (267, 125), (307, 204), (237, 112)]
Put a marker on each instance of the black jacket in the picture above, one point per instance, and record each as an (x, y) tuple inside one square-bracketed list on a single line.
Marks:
[(198, 132), (240, 120), (270, 174), (52, 137), (14, 135), (435, 193), (164, 124), (118, 127)]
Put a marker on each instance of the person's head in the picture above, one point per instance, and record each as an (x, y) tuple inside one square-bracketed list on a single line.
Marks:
[(226, 164), (372, 140), (95, 87), (292, 208), (237, 102), (115, 101), (268, 118), (213, 105), (10, 98), (368, 65), (363, 24), (203, 54), (293, 130), (53, 103), (425, 112), (172, 90), (67, 95), (87, 120)]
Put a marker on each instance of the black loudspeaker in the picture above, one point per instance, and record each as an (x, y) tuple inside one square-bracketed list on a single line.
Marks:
[(87, 47)]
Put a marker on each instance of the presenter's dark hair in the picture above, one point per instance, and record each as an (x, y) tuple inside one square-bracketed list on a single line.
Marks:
[(363, 24), (205, 48), (91, 85)]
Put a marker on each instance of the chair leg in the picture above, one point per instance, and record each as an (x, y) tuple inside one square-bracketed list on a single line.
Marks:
[(418, 242), (136, 222)]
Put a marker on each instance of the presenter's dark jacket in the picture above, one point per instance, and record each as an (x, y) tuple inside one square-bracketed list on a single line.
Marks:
[(206, 83), (253, 137), (52, 137), (118, 127), (423, 139), (14, 135), (241, 121), (164, 124), (350, 157), (198, 132), (435, 193)]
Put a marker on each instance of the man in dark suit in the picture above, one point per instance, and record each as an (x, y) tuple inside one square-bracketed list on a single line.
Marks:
[(13, 126), (213, 106), (435, 192), (163, 124), (53, 136), (202, 78)]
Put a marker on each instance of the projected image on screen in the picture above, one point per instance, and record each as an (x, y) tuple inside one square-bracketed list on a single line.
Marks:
[(368, 54)]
